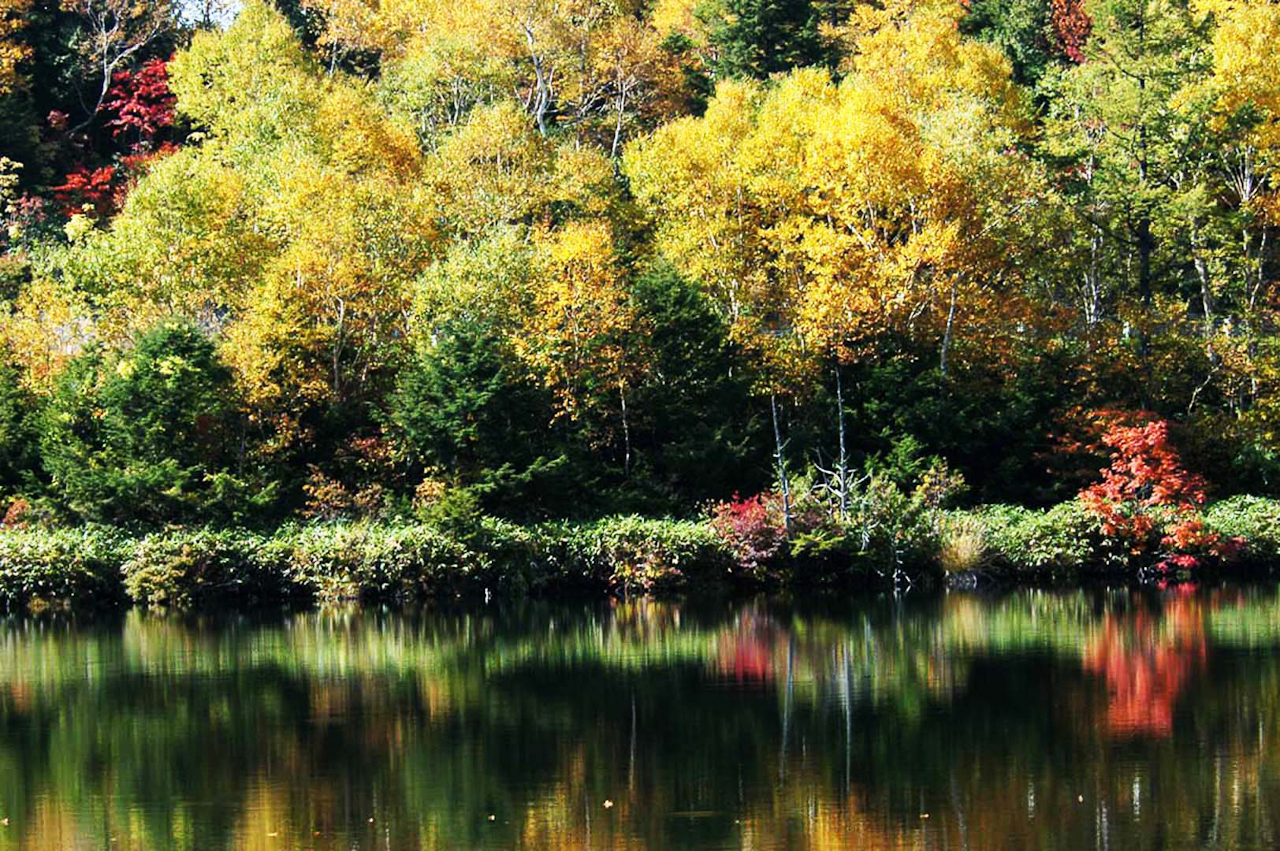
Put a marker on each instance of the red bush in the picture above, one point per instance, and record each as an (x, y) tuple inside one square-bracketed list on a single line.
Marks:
[(753, 528), (87, 188), (1146, 495)]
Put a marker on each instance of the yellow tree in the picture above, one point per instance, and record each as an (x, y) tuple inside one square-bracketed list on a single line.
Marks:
[(842, 211), (1245, 84), (295, 227), (640, 85), (823, 216), (13, 48), (496, 170), (591, 65), (1245, 92), (573, 336)]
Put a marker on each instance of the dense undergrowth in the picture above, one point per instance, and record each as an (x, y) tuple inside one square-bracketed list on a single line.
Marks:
[(98, 565)]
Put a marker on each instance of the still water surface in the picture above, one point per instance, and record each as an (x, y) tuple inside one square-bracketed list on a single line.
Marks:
[(1113, 719)]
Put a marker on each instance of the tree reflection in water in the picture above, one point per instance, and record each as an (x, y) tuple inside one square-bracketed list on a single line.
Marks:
[(1121, 719), (1148, 659)]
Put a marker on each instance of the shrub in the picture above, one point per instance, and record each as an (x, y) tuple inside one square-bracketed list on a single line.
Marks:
[(73, 566), (189, 569), (1249, 526), (883, 531), (893, 528), (880, 529), (1066, 538), (341, 561), (753, 530), (635, 553)]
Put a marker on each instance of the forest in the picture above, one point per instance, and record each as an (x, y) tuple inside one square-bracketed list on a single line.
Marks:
[(821, 282)]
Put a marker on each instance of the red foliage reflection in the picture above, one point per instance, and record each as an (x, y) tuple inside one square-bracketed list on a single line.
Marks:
[(1147, 661), (747, 653)]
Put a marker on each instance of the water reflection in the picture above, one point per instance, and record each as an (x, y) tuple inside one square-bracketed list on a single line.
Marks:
[(1114, 719)]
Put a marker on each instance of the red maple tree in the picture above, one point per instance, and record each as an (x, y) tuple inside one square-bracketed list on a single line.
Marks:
[(1146, 494), (141, 101)]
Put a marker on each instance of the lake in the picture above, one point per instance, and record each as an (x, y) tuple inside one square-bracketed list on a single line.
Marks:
[(1107, 719)]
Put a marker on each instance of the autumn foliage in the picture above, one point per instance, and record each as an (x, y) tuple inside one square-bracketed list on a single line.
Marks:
[(1148, 662), (1071, 26), (752, 528), (87, 190), (1146, 497), (141, 101), (601, 257)]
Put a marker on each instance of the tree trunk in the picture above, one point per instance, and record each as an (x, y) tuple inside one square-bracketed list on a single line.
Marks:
[(782, 466), (1202, 273), (626, 430), (843, 469), (946, 335), (542, 100), (1146, 247)]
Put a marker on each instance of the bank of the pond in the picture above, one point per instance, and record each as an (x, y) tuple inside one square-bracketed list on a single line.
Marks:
[(92, 565), (184, 568)]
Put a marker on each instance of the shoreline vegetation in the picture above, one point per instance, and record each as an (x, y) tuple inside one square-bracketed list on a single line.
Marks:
[(994, 546)]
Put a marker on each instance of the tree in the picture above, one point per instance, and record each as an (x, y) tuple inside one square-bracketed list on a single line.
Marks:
[(13, 48), (140, 103), (1146, 497), (759, 38), (150, 436), (838, 213), (1020, 28), (696, 436), (1071, 25), (465, 406), (295, 231), (590, 67), (573, 336), (1133, 145), (19, 459), (827, 218), (113, 33)]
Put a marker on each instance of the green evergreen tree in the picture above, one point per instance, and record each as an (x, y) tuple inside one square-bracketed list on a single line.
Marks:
[(1020, 28), (463, 405), (148, 436), (697, 436), (18, 458), (757, 38)]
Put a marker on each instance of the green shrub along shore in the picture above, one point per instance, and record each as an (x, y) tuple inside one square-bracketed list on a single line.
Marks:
[(99, 565)]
